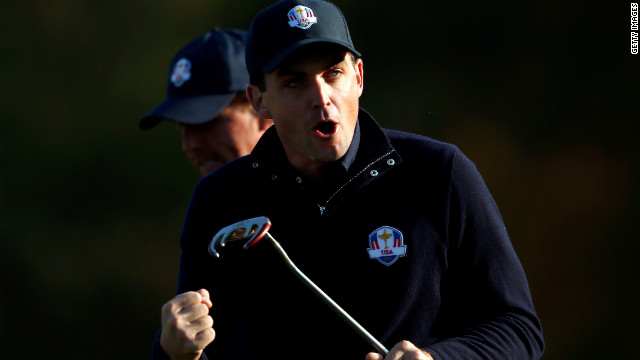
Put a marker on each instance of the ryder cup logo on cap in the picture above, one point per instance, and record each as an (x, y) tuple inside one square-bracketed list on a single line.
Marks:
[(301, 17), (203, 77), (284, 27), (386, 244), (181, 72)]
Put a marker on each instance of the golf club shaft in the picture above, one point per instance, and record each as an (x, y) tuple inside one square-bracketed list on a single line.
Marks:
[(327, 300)]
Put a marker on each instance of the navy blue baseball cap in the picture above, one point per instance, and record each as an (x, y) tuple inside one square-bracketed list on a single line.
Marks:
[(287, 25), (204, 76)]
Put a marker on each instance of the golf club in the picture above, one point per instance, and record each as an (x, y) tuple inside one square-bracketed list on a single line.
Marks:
[(253, 230)]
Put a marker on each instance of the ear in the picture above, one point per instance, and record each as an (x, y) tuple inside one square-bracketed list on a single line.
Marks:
[(360, 76), (255, 98)]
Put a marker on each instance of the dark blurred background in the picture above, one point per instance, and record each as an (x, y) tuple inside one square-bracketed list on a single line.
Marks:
[(541, 95)]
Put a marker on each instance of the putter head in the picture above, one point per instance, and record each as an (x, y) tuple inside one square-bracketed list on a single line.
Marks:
[(251, 230)]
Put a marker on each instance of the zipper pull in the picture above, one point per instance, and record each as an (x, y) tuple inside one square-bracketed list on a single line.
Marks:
[(321, 209)]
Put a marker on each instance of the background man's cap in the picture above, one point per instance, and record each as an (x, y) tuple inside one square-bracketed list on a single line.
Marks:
[(289, 24), (204, 76)]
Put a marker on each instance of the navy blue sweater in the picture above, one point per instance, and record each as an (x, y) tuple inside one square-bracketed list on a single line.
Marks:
[(451, 282)]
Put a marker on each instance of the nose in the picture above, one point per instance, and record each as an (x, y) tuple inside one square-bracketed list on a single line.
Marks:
[(190, 139), (320, 94)]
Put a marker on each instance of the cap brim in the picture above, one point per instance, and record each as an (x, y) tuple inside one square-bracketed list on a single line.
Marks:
[(273, 63), (187, 109)]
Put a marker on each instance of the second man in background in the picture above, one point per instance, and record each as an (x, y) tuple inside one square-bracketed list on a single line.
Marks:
[(206, 97)]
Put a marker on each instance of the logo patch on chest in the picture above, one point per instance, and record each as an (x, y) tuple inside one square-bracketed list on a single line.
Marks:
[(386, 244)]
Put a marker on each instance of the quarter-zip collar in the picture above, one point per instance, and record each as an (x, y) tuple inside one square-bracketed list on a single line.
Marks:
[(369, 156)]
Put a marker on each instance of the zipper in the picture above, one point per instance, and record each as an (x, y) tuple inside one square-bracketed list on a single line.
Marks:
[(323, 208)]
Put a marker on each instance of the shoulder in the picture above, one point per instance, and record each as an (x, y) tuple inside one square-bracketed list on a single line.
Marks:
[(224, 189), (226, 175), (427, 158), (414, 147)]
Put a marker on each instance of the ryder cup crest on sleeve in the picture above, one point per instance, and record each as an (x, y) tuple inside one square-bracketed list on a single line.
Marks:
[(287, 25), (204, 76)]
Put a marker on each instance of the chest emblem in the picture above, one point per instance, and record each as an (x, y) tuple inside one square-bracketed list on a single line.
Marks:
[(386, 244)]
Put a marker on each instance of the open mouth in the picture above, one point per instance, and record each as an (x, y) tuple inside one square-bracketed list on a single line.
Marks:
[(326, 128)]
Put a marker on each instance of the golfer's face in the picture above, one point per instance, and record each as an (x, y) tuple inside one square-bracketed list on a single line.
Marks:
[(313, 99), (231, 134)]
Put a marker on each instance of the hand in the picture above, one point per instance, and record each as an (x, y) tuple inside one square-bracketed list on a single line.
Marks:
[(186, 325), (404, 350)]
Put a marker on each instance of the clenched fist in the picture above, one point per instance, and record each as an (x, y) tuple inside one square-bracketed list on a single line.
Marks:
[(187, 327)]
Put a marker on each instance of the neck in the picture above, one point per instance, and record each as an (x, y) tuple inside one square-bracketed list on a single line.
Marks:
[(308, 168)]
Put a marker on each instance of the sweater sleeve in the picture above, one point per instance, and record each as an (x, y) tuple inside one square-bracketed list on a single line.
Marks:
[(489, 312)]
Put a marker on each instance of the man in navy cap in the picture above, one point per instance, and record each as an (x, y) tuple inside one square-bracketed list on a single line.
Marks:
[(206, 96), (397, 228)]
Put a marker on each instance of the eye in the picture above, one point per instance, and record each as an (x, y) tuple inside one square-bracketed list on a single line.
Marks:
[(333, 74), (292, 82)]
